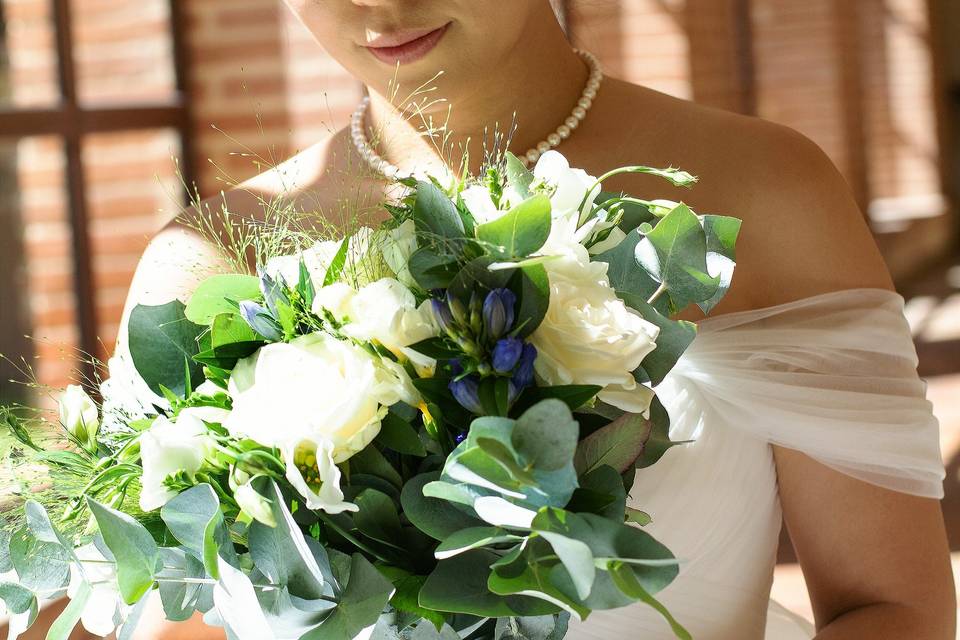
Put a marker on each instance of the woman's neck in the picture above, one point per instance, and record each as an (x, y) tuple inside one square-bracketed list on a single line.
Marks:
[(535, 87)]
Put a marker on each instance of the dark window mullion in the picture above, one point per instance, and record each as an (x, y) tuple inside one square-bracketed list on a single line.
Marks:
[(84, 294)]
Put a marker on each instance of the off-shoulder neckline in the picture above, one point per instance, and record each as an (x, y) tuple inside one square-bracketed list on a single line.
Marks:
[(710, 320)]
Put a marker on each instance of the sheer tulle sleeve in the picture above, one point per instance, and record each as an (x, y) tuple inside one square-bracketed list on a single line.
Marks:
[(832, 375)]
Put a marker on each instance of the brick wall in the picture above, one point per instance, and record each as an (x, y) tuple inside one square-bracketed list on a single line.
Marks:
[(854, 76)]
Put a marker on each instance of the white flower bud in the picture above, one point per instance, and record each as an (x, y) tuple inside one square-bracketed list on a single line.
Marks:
[(79, 415)]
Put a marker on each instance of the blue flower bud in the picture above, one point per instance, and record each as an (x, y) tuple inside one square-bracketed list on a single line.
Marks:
[(506, 354), (442, 314), (460, 437), (272, 291), (498, 312), (466, 391), (259, 320), (523, 376)]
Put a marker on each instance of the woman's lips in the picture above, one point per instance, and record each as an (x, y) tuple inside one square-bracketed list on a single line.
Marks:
[(406, 46)]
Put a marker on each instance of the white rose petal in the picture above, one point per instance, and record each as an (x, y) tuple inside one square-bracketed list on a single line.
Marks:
[(569, 185), (315, 388), (478, 201), (589, 336)]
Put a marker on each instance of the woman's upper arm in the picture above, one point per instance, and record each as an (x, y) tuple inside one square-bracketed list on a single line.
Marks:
[(860, 544)]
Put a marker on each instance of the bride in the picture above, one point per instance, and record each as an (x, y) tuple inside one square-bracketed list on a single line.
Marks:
[(800, 392)]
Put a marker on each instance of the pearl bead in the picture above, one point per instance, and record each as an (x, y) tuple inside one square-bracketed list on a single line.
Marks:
[(554, 139), (533, 155), (543, 147), (579, 113), (571, 122), (584, 103), (590, 93), (563, 131)]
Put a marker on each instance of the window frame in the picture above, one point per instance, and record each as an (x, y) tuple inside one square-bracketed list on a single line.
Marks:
[(71, 121)]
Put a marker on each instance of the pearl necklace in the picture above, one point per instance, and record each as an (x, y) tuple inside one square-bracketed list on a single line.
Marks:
[(382, 166)]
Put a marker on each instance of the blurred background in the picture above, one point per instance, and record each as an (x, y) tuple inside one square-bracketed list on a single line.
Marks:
[(104, 103)]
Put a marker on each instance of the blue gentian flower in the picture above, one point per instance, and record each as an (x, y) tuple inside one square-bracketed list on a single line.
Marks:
[(506, 354), (498, 313), (466, 391), (442, 314), (523, 376), (259, 320)]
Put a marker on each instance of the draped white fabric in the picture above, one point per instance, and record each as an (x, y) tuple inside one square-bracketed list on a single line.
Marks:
[(832, 375)]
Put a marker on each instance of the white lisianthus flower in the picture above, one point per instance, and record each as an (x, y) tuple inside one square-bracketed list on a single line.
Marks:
[(481, 206), (79, 415), (396, 246), (315, 393), (312, 471), (170, 447), (569, 185), (105, 608), (589, 336)]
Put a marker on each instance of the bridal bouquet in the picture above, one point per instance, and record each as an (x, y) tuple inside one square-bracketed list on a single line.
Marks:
[(424, 430)]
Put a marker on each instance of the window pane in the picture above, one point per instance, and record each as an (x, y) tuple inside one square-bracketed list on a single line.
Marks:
[(36, 275), (132, 190), (28, 62), (123, 50)]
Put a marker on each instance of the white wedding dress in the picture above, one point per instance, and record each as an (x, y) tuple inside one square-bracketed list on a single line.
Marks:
[(832, 375)]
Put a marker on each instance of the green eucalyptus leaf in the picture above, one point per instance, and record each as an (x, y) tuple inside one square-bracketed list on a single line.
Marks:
[(196, 521), (533, 627), (674, 254), (435, 216), (659, 439), (41, 566), (133, 548), (17, 598), (377, 518), (721, 232), (520, 231), (546, 435), (214, 295), (473, 538), (230, 328), (366, 594), (530, 572), (437, 518), (5, 563), (627, 581), (370, 460), (625, 273), (532, 285), (400, 436), (573, 395), (601, 491), (161, 340), (673, 339), (618, 445), (178, 591), (432, 269), (460, 585)]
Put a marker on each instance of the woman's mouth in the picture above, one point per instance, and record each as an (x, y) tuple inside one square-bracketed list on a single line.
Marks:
[(404, 47)]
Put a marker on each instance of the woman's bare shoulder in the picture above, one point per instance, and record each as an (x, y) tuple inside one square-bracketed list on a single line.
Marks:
[(803, 233)]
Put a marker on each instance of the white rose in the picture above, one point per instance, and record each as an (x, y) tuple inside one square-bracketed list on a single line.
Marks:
[(589, 336), (105, 608), (169, 447), (79, 415), (386, 312), (397, 245), (316, 388)]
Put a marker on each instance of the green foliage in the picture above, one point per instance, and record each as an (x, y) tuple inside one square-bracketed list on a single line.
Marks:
[(133, 548), (366, 594), (162, 345), (219, 294), (195, 520), (617, 445), (520, 231)]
